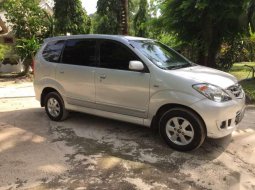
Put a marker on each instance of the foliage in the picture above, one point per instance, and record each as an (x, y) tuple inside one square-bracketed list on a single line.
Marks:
[(50, 21), (250, 20), (4, 49), (70, 17), (108, 17), (27, 18), (238, 50), (1, 5), (141, 19), (150, 25), (133, 7), (249, 44), (8, 54), (203, 24), (156, 31), (27, 48), (104, 25), (230, 53)]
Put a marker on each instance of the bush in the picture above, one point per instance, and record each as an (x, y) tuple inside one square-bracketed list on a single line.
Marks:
[(4, 49), (8, 55), (239, 50), (249, 45), (26, 49), (231, 53)]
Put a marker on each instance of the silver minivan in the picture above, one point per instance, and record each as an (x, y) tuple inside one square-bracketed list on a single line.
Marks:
[(140, 81)]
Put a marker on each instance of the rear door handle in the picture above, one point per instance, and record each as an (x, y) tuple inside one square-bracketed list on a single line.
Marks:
[(61, 72)]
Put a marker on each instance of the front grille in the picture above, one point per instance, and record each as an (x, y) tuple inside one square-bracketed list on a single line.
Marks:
[(236, 90), (225, 124)]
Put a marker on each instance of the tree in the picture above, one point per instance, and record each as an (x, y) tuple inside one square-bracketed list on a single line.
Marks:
[(141, 19), (50, 20), (109, 15), (2, 5), (26, 49), (204, 24), (251, 15), (113, 16), (26, 17), (70, 17), (103, 24)]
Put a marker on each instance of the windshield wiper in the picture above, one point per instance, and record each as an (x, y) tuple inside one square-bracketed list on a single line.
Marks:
[(178, 66)]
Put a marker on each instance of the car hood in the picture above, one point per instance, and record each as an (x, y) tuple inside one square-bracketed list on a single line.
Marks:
[(200, 74)]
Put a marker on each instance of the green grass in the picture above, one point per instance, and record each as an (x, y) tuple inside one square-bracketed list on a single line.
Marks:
[(241, 72), (249, 88)]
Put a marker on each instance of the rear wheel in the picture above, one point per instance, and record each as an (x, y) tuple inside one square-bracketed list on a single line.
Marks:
[(54, 107), (182, 129)]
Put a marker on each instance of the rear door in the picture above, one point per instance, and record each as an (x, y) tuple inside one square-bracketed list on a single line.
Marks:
[(119, 89), (76, 72), (45, 68)]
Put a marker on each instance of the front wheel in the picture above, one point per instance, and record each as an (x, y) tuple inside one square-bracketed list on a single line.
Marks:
[(182, 129), (54, 107)]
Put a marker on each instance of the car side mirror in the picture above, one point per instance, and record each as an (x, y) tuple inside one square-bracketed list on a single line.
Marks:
[(136, 66)]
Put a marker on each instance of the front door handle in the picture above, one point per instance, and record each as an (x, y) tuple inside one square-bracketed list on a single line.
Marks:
[(103, 76), (61, 72)]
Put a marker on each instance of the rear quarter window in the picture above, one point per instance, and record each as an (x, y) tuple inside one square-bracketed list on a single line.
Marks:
[(53, 50)]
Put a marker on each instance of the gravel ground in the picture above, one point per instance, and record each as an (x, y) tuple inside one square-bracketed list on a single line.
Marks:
[(88, 152)]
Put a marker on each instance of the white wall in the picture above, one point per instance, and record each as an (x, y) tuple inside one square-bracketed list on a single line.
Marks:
[(11, 68)]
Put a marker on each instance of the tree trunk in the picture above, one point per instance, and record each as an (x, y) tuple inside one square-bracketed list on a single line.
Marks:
[(213, 49), (27, 63), (201, 55), (208, 58), (201, 60), (211, 59), (124, 17), (209, 45)]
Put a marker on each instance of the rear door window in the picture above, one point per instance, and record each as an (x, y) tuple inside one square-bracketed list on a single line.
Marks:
[(80, 52), (53, 50)]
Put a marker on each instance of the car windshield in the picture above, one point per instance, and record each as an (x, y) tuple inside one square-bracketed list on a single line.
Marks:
[(161, 55)]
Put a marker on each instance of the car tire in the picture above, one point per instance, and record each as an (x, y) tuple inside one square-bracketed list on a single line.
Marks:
[(55, 107), (182, 129)]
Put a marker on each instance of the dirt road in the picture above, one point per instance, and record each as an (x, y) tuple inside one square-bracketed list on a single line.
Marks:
[(88, 152)]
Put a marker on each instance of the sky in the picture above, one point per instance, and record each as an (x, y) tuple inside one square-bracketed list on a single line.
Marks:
[(90, 6)]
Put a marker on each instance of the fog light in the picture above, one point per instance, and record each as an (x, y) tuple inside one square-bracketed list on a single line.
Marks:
[(223, 125)]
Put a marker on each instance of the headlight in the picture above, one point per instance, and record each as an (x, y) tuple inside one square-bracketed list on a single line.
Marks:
[(212, 92)]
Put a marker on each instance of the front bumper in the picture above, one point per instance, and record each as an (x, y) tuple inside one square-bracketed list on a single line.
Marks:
[(221, 119)]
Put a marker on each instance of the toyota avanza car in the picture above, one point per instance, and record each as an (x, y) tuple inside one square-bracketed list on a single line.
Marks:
[(140, 81)]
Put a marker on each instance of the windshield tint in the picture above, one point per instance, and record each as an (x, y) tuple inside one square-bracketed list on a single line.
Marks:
[(161, 55)]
